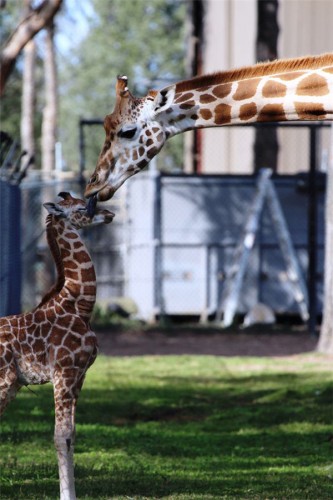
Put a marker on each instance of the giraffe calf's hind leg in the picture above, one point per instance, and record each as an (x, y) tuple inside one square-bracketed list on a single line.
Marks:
[(9, 384)]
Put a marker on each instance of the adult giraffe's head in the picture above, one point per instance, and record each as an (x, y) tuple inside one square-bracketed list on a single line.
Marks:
[(291, 89), (135, 133)]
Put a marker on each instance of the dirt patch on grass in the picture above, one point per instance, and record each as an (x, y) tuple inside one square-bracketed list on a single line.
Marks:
[(263, 342)]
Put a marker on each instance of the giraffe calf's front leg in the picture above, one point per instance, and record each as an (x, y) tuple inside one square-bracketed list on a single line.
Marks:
[(64, 444), (65, 451)]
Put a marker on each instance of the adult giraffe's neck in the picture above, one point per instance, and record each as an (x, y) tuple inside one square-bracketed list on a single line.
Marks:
[(294, 89), (79, 278)]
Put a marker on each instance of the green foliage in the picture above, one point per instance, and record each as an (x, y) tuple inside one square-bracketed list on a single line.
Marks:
[(182, 427), (10, 106), (143, 40), (103, 317)]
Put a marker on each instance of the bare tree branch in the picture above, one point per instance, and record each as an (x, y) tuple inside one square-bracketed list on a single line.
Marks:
[(38, 19)]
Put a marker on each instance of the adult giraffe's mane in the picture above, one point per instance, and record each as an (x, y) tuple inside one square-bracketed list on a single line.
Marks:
[(54, 248), (257, 70)]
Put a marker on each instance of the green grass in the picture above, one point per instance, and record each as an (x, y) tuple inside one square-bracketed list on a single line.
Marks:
[(182, 427)]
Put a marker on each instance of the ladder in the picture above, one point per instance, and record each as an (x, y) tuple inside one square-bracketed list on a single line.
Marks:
[(265, 191)]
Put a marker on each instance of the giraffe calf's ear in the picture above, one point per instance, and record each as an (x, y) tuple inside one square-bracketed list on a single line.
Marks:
[(65, 195), (53, 209), (164, 99)]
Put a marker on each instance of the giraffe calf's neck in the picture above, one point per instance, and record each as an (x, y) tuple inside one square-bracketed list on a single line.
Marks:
[(78, 294)]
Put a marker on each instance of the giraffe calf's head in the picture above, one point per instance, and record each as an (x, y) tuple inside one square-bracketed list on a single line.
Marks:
[(77, 213), (134, 133)]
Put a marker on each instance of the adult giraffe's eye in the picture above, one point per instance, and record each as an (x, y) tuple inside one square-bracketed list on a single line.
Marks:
[(127, 134)]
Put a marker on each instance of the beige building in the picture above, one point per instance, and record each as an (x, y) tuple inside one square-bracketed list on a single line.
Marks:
[(229, 40)]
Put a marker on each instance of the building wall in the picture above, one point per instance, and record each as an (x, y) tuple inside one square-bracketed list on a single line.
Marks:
[(230, 29), (229, 41), (305, 29)]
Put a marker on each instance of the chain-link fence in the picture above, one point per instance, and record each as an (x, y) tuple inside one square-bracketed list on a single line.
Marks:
[(173, 236), (181, 251)]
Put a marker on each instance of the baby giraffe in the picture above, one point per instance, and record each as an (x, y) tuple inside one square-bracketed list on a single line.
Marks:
[(54, 342)]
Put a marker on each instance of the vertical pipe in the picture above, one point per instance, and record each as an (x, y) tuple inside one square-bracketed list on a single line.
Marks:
[(157, 232), (312, 230), (82, 160), (205, 311)]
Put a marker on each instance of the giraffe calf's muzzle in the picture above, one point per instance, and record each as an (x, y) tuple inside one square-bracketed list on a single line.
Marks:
[(108, 216)]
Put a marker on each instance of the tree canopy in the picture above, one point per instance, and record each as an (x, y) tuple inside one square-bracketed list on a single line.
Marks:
[(143, 40), (95, 41)]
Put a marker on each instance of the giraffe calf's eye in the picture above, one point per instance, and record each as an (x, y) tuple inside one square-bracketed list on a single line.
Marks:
[(127, 134)]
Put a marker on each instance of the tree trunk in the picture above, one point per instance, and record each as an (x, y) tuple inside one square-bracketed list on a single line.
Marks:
[(28, 99), (32, 23), (325, 344), (49, 125), (266, 144)]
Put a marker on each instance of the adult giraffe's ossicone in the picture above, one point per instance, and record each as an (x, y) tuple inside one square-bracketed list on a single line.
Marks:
[(291, 89)]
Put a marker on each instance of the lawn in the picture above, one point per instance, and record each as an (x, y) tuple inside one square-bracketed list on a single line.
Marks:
[(182, 427)]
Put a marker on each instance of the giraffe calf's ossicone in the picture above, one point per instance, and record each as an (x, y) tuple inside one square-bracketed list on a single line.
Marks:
[(54, 342)]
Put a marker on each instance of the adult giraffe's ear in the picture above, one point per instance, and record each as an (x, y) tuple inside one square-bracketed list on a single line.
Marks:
[(53, 209), (164, 99)]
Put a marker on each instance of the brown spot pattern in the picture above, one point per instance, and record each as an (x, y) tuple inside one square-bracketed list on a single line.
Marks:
[(313, 85), (184, 97), (206, 98), (290, 76), (222, 90), (310, 111), (274, 89), (222, 114), (206, 114), (247, 111), (246, 89), (152, 152), (187, 105), (272, 112)]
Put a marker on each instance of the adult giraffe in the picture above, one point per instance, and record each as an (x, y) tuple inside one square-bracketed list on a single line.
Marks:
[(290, 89)]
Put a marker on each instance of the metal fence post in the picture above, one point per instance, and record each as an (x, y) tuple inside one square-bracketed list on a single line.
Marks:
[(312, 230), (10, 268), (157, 237)]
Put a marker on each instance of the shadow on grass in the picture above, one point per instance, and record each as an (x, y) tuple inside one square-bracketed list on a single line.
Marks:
[(244, 437)]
